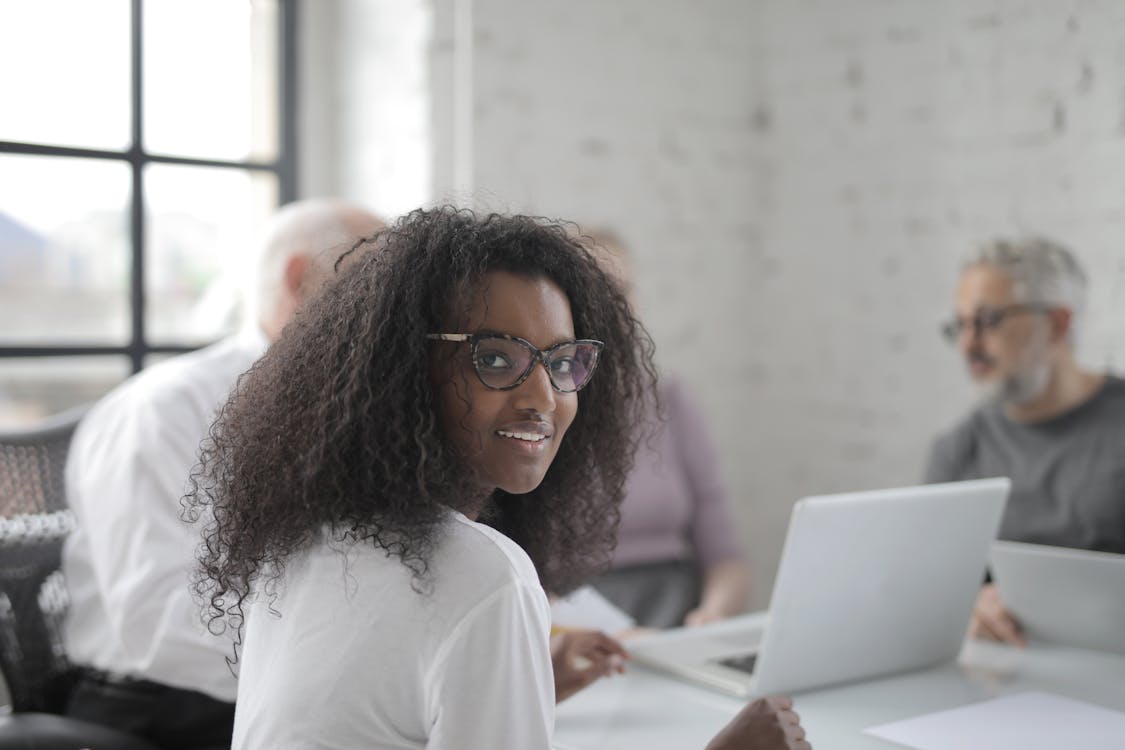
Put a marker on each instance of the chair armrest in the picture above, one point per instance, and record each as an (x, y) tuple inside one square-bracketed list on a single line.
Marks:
[(32, 731)]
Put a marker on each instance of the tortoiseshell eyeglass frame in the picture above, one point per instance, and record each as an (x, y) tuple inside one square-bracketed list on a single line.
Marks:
[(537, 355)]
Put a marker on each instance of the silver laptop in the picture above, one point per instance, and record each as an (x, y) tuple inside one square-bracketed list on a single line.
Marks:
[(870, 583), (1067, 596)]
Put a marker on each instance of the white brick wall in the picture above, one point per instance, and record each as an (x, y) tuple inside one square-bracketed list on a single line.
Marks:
[(797, 179), (901, 134), (365, 99)]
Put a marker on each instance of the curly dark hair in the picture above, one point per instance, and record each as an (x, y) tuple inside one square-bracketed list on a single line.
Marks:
[(336, 428)]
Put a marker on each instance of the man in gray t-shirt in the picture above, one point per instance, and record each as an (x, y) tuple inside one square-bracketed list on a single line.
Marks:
[(1056, 430)]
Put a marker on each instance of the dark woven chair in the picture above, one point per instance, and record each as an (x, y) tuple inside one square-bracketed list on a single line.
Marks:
[(34, 522)]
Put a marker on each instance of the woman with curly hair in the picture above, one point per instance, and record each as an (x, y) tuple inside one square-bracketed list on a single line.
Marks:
[(395, 482)]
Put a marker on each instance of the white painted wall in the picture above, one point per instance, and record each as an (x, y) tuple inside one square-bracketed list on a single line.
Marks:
[(900, 135), (364, 99), (797, 179)]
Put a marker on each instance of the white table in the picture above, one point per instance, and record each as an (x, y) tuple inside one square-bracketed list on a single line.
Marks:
[(646, 710)]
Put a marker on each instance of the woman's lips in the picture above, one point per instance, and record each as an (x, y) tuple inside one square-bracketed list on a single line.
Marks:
[(527, 437)]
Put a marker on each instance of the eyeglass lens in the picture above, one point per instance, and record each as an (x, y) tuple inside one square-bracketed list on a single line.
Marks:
[(502, 362), (984, 320), (977, 324)]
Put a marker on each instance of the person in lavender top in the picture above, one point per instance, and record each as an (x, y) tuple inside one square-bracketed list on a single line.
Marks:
[(678, 560)]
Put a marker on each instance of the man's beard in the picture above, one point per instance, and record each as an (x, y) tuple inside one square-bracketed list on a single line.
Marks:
[(1021, 387), (1029, 380)]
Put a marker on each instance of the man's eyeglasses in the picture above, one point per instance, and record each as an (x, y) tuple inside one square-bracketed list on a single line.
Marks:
[(503, 362), (986, 319)]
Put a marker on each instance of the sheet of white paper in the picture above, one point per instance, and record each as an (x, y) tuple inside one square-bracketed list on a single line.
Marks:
[(586, 608), (1029, 721)]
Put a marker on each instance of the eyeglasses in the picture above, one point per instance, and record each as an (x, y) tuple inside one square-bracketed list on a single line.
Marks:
[(503, 362), (985, 319)]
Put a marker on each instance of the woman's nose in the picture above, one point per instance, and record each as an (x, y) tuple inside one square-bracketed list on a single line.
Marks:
[(536, 392)]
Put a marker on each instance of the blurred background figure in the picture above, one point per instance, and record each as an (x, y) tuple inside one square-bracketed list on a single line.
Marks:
[(1055, 428), (146, 662), (678, 560)]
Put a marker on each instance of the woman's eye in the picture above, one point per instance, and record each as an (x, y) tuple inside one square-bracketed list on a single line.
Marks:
[(563, 365), (493, 361)]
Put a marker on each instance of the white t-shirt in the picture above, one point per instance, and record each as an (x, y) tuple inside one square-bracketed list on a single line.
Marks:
[(351, 655), (127, 565)]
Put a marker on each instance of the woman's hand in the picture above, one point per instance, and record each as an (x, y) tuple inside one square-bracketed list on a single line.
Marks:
[(580, 657), (992, 621), (725, 586), (765, 724), (701, 616)]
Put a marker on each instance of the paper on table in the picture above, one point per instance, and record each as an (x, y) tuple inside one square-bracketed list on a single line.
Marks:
[(1029, 721), (586, 608)]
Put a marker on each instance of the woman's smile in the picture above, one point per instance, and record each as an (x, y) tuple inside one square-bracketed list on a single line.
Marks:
[(529, 438)]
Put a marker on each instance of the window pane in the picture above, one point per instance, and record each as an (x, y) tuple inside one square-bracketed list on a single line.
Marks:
[(37, 387), (210, 83), (64, 250), (203, 228), (65, 72)]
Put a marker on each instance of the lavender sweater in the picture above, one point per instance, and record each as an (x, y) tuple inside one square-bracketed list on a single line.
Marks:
[(676, 505)]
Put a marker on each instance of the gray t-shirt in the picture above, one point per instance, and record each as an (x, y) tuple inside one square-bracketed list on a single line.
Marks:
[(1068, 473)]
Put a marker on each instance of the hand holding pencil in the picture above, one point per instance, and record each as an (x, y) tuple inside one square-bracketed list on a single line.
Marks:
[(580, 657)]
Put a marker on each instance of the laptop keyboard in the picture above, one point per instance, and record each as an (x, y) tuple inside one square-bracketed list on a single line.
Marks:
[(741, 663)]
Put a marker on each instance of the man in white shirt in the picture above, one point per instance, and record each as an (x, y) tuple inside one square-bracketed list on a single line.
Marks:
[(149, 665)]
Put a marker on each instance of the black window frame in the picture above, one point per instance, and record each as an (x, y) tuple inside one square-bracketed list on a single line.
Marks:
[(284, 166)]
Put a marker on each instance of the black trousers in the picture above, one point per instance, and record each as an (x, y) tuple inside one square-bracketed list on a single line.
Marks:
[(656, 595), (172, 718)]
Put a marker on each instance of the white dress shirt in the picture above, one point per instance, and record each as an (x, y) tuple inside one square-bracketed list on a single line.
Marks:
[(355, 653), (128, 564)]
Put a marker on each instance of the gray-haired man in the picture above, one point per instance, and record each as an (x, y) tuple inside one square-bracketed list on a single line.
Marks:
[(146, 663), (1057, 430)]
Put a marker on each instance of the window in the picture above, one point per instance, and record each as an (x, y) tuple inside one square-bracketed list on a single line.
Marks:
[(142, 146)]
